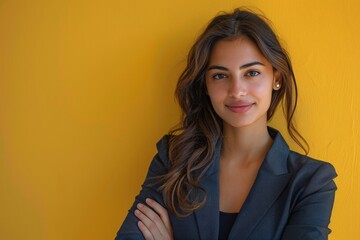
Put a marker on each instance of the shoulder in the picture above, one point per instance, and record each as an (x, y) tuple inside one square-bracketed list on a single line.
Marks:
[(300, 162), (315, 174), (162, 147), (160, 163)]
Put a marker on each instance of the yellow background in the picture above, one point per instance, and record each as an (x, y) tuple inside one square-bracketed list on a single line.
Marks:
[(86, 90)]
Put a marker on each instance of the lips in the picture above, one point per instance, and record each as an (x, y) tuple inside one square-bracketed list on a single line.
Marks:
[(240, 108)]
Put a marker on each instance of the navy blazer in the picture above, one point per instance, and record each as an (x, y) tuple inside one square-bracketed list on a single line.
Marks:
[(291, 198)]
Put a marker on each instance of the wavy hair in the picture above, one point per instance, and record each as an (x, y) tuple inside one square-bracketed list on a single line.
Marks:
[(192, 143)]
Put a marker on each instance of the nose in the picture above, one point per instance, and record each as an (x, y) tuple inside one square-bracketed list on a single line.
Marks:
[(237, 87)]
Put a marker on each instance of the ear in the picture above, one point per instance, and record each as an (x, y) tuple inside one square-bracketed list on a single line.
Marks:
[(277, 81)]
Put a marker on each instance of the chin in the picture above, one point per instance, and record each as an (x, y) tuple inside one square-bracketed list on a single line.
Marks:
[(246, 122), (238, 124)]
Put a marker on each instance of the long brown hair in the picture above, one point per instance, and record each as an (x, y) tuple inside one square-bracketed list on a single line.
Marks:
[(192, 144)]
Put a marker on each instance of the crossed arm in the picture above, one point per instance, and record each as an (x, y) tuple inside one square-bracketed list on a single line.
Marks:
[(154, 223)]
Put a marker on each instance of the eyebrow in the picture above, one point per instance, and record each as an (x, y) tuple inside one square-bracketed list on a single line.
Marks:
[(242, 67)]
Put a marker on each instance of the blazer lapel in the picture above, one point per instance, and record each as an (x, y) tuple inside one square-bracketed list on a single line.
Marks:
[(266, 189), (270, 182), (207, 218)]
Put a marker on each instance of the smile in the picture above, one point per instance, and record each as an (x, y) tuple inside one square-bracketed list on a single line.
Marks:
[(240, 108)]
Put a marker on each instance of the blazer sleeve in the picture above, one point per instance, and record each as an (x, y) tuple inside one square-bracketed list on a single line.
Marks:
[(311, 214), (158, 166)]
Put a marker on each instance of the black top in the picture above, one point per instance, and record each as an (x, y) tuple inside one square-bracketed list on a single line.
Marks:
[(226, 221)]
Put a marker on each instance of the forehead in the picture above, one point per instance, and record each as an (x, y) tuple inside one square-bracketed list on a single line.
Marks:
[(238, 51)]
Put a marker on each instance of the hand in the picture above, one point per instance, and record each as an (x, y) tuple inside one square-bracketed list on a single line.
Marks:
[(154, 225)]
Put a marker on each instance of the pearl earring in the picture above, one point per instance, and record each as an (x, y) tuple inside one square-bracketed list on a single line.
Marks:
[(277, 85)]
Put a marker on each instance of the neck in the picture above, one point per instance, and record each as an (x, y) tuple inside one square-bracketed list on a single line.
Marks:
[(245, 144)]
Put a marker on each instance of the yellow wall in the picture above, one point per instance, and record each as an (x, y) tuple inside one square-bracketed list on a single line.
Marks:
[(86, 91)]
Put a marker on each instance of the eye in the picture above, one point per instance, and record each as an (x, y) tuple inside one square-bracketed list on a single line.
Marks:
[(252, 73), (219, 76)]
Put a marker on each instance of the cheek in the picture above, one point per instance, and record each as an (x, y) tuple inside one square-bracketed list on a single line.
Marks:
[(216, 93), (262, 89), (211, 90)]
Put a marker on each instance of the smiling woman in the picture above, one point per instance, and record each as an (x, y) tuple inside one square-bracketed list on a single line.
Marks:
[(240, 79), (224, 174)]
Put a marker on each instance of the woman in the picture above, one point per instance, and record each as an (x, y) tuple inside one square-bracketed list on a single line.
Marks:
[(224, 174)]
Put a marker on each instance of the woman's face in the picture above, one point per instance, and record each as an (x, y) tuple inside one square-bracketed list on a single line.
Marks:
[(239, 82)]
